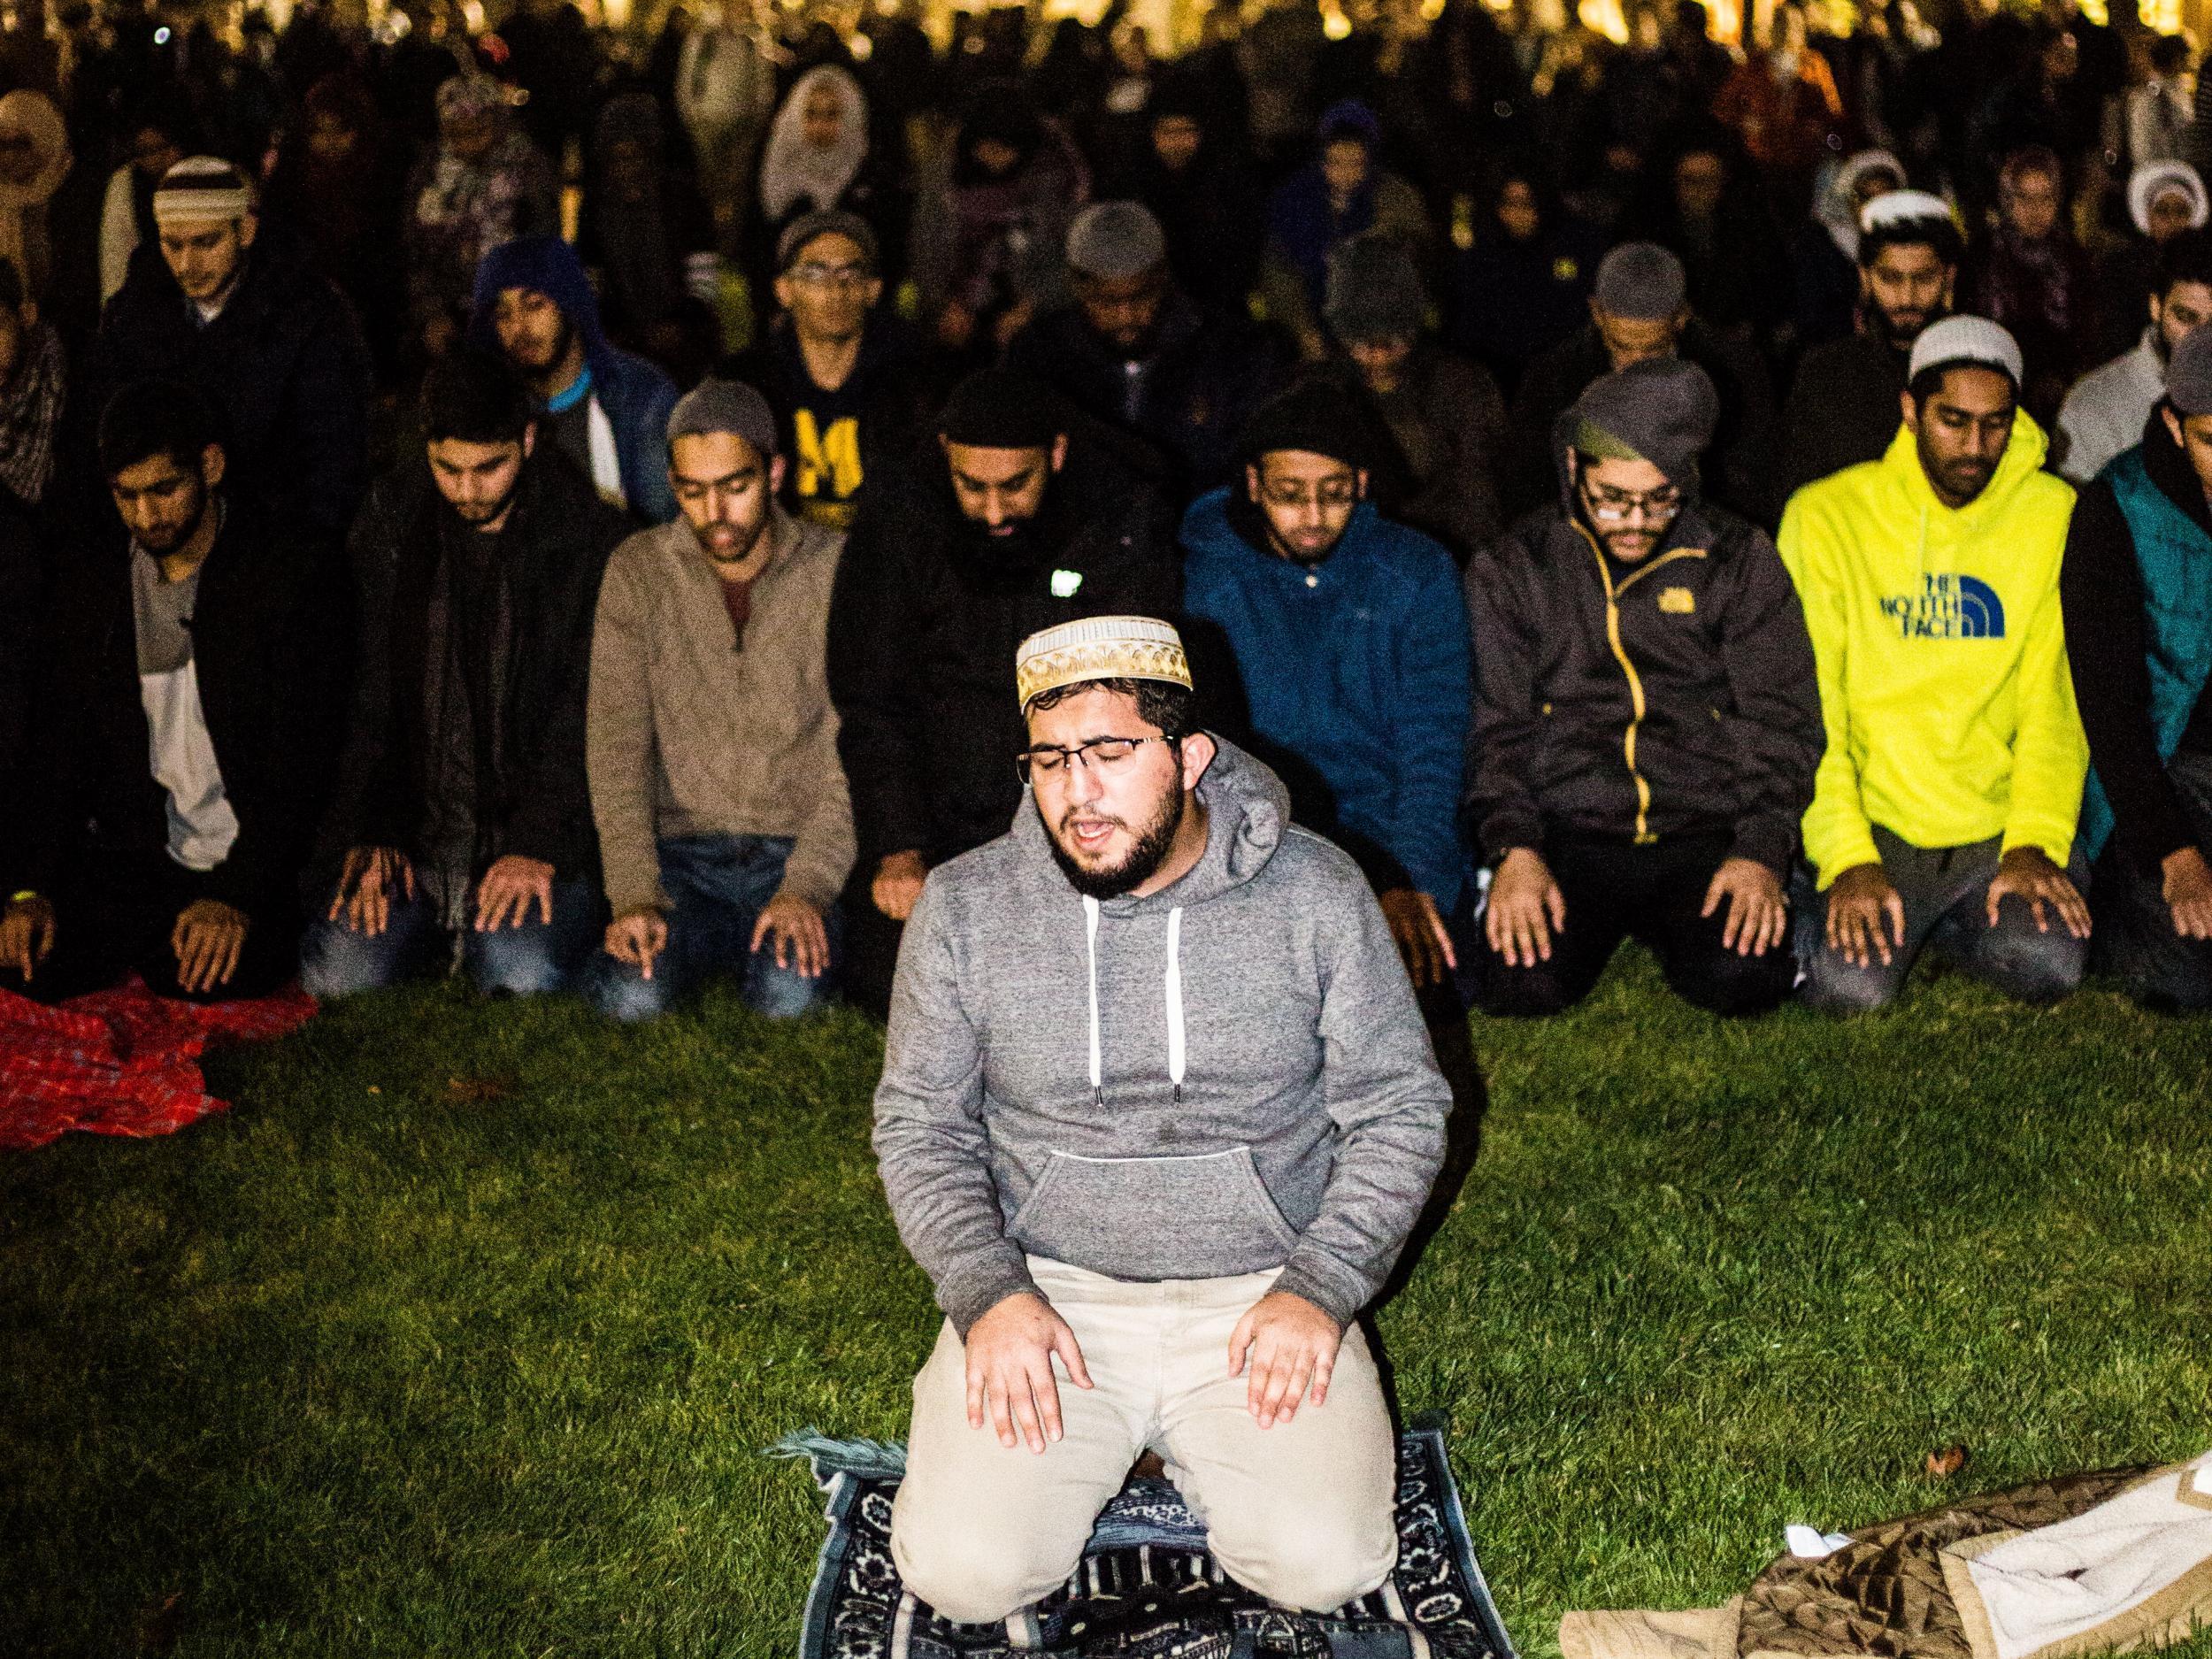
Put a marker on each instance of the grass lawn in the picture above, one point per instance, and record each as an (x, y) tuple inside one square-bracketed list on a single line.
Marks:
[(461, 1334)]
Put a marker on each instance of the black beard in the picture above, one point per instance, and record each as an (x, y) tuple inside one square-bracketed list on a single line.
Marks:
[(1154, 844), (1903, 343), (490, 514)]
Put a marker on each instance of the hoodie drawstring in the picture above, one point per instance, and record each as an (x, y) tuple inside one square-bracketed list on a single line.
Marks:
[(1175, 1000), (1090, 949), (1174, 989)]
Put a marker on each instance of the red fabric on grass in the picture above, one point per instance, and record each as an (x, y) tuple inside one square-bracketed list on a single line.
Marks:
[(123, 1062)]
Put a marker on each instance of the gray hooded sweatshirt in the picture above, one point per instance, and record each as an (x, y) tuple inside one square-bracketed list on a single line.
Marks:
[(1228, 1076)]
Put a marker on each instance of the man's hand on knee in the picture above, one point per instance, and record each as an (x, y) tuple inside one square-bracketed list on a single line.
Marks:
[(1010, 1369), (2028, 873), (1291, 1345)]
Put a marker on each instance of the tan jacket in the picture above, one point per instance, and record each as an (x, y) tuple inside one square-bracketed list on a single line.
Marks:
[(687, 736)]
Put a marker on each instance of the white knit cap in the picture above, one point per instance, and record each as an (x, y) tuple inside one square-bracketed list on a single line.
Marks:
[(201, 190), (1966, 339), (1099, 648), (2155, 179), (1897, 207)]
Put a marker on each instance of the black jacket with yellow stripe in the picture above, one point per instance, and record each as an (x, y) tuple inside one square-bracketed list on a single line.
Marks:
[(1641, 701)]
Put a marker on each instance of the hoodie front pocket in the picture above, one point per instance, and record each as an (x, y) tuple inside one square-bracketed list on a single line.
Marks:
[(1154, 1219)]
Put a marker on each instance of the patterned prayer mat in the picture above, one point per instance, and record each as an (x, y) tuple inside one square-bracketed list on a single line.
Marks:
[(1146, 1588)]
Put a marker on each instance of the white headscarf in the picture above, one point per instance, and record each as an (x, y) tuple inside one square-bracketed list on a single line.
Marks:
[(1838, 213), (793, 169), (2155, 179), (23, 206)]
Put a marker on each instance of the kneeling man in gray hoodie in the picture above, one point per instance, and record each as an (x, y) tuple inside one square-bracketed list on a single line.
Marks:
[(1157, 1113)]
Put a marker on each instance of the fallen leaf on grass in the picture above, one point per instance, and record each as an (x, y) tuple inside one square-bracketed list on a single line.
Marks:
[(1946, 1462), (159, 1627), (479, 1088)]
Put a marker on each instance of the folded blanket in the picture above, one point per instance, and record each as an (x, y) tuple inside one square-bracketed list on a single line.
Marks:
[(2098, 1562)]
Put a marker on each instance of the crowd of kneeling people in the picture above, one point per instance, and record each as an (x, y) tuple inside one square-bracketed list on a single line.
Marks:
[(1952, 705)]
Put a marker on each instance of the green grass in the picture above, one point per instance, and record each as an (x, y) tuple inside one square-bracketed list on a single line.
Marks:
[(377, 1365)]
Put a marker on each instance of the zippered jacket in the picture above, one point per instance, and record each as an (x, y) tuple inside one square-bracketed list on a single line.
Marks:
[(1644, 702), (1354, 676), (1942, 653)]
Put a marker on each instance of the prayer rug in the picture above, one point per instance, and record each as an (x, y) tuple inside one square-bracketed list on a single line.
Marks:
[(123, 1062), (1146, 1587)]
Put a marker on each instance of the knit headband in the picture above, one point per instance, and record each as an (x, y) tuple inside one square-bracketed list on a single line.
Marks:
[(201, 190)]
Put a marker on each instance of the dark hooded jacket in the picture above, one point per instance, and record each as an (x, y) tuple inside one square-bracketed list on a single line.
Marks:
[(636, 396), (1640, 703), (286, 360), (926, 618), (550, 556)]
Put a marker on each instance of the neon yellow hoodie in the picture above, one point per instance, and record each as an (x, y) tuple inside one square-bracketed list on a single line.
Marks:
[(1942, 657)]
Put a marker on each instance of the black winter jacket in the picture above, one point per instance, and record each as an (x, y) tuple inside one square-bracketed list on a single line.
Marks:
[(286, 362), (1674, 696), (555, 549), (1844, 407), (923, 632), (269, 647), (1205, 377)]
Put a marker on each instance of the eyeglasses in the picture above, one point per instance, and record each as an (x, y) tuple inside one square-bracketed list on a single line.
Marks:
[(1101, 755), (1342, 491), (827, 276), (1617, 506)]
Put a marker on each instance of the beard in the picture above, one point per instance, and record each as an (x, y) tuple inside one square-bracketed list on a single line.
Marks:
[(1964, 478), (556, 351), (161, 542), (477, 517), (1899, 329), (1142, 862)]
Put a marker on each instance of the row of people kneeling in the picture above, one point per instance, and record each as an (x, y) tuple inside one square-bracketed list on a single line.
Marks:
[(572, 757)]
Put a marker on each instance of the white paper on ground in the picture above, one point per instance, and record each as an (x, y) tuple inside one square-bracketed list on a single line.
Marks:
[(1807, 1545)]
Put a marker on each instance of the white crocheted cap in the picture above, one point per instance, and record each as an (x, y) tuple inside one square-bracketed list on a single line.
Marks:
[(1958, 340), (1902, 207), (1099, 648)]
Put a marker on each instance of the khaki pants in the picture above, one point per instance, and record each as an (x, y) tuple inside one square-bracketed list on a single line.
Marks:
[(1302, 1513)]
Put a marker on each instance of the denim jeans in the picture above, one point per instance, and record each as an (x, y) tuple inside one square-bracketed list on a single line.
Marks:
[(717, 887), (530, 959), (1946, 894)]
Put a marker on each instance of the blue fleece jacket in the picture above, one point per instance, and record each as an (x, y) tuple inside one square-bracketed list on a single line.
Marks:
[(636, 395), (1357, 679)]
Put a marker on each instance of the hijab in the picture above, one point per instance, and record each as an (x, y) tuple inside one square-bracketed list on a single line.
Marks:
[(23, 206), (794, 172)]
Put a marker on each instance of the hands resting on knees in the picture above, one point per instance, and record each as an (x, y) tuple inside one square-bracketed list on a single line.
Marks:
[(1284, 1346)]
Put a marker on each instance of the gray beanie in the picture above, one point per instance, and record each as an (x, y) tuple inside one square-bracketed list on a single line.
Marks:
[(1640, 282), (1661, 411), (729, 406), (2189, 373), (1374, 292), (1115, 240)]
